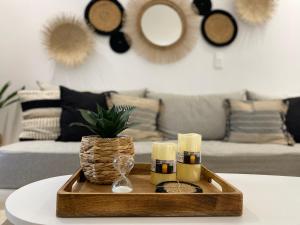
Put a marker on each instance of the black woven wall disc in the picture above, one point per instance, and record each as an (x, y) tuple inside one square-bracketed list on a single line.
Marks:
[(203, 6), (119, 42)]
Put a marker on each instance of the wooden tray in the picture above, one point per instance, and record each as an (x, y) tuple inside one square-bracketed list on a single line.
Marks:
[(80, 198)]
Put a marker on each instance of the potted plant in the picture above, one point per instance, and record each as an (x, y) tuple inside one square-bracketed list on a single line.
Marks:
[(8, 100), (97, 152)]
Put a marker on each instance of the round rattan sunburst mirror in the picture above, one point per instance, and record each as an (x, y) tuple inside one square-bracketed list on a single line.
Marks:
[(255, 12), (162, 31), (68, 40)]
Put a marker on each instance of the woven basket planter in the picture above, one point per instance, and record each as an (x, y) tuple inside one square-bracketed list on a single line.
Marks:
[(97, 154)]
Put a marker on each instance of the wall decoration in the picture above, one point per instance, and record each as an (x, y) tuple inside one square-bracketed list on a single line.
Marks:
[(202, 7), (255, 12), (219, 28), (162, 31), (68, 40), (104, 16), (119, 42)]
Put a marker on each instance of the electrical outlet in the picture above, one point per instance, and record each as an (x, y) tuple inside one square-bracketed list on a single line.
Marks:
[(218, 61)]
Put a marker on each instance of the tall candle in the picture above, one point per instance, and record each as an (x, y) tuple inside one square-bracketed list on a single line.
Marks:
[(163, 162), (189, 157)]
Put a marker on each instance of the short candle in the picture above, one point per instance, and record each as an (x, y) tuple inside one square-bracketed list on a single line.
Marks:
[(189, 157), (163, 166)]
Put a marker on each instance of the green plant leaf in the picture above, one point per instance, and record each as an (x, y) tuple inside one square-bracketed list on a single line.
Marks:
[(11, 102), (106, 123), (88, 116), (9, 99), (3, 89), (85, 126), (10, 96), (99, 109)]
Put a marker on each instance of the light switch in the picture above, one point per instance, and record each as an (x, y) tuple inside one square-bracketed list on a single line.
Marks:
[(218, 61)]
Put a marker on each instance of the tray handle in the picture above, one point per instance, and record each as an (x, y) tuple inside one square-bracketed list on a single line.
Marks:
[(78, 176), (210, 177)]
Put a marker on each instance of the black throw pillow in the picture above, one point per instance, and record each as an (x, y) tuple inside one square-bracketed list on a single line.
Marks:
[(71, 101), (293, 118)]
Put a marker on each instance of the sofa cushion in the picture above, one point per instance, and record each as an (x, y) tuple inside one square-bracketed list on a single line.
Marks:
[(257, 96), (25, 162), (71, 101), (41, 111), (194, 114), (135, 93), (270, 159), (144, 116), (257, 122), (293, 118)]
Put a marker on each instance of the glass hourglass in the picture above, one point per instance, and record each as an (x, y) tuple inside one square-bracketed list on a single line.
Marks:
[(123, 164)]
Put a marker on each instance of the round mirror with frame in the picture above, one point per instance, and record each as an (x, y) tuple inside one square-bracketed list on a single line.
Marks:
[(162, 24), (162, 31)]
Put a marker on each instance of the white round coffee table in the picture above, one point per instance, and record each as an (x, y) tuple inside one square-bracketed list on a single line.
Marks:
[(268, 200)]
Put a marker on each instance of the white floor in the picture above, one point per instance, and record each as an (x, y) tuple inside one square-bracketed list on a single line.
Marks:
[(3, 220), (3, 195), (2, 216)]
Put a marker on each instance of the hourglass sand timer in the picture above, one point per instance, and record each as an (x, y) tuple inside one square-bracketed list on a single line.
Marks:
[(123, 164)]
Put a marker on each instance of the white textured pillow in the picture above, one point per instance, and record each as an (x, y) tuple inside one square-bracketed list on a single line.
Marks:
[(41, 112)]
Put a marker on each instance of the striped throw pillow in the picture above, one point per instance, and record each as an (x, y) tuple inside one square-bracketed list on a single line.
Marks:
[(41, 112), (257, 122), (144, 116)]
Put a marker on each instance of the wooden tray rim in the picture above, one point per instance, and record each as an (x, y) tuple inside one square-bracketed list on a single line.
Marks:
[(205, 173)]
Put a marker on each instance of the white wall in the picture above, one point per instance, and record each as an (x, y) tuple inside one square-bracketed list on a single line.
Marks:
[(264, 59)]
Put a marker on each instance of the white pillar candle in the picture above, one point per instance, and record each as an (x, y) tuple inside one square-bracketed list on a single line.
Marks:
[(163, 162), (189, 157)]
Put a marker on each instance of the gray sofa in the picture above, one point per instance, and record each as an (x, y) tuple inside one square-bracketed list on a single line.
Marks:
[(24, 162)]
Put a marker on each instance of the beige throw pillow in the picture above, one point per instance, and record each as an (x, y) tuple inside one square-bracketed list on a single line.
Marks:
[(257, 122), (144, 116)]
